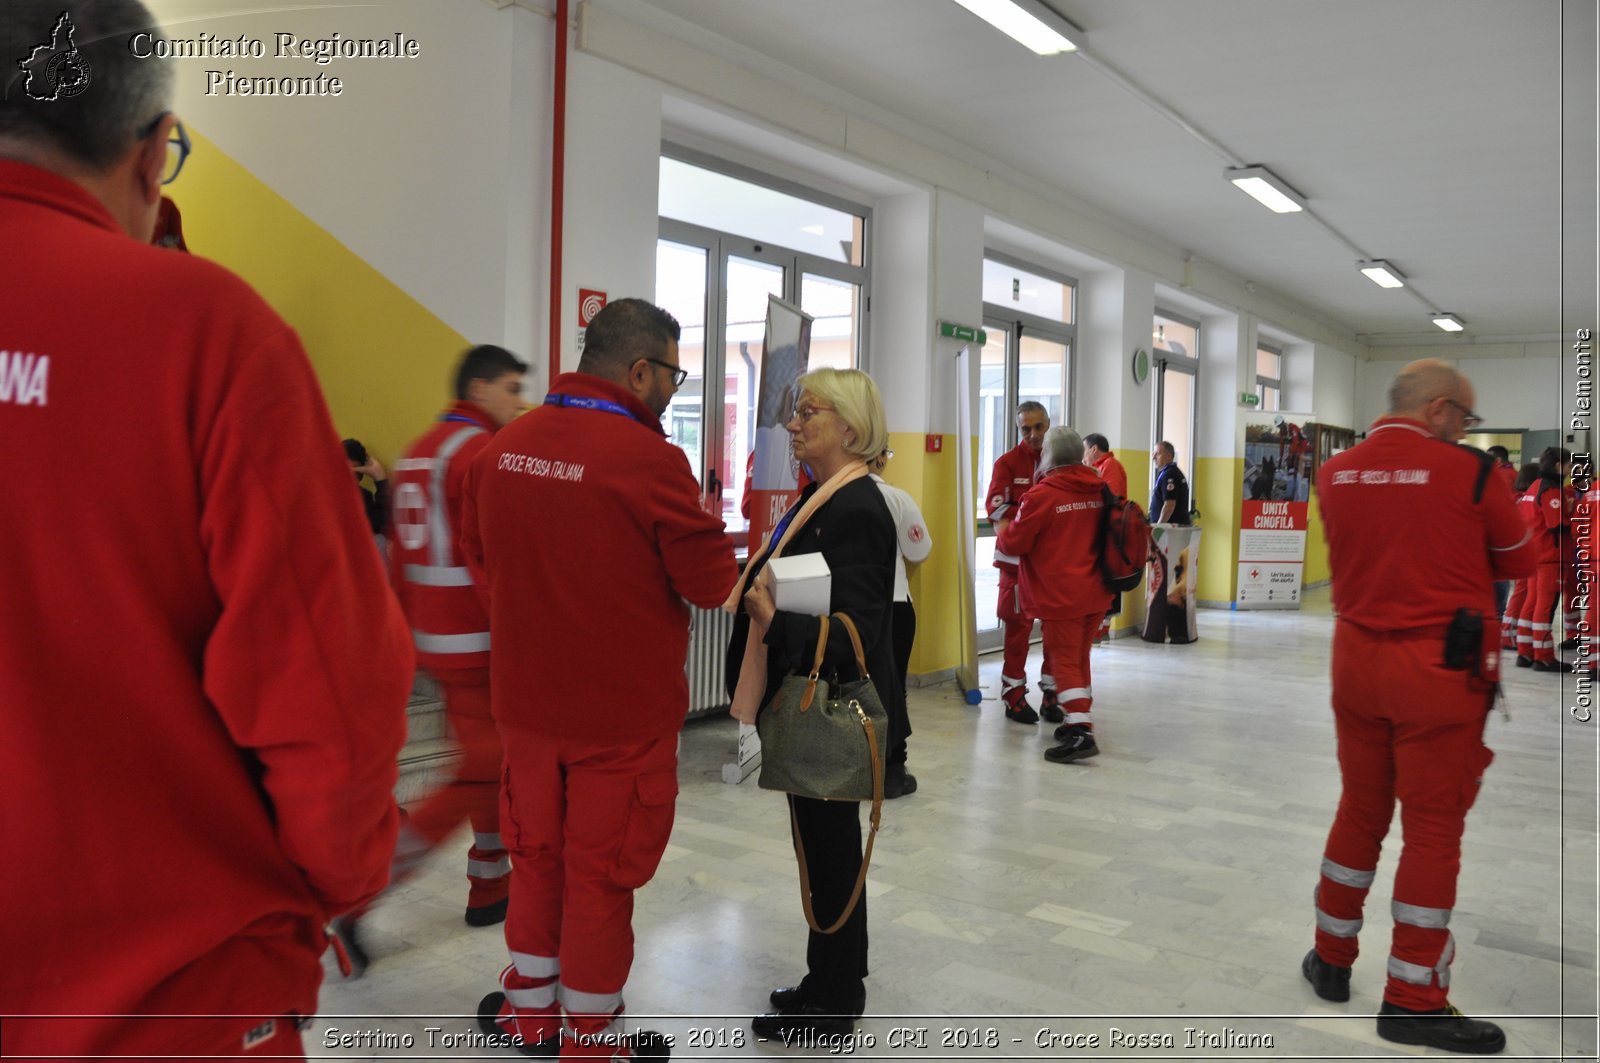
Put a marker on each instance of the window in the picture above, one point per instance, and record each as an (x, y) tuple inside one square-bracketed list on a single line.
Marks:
[(1176, 341), (728, 239), (1028, 314), (1269, 377)]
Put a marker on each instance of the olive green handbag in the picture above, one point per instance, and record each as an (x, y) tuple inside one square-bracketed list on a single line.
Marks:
[(828, 747)]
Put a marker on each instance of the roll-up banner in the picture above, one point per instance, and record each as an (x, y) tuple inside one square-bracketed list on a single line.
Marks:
[(1274, 511), (774, 474)]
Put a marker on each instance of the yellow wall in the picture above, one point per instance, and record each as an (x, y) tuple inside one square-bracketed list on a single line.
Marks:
[(1219, 489), (931, 480), (1317, 566), (383, 359)]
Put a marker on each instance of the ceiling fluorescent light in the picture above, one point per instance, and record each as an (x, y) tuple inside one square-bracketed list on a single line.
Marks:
[(1381, 273), (1030, 23), (1267, 188), (1449, 322)]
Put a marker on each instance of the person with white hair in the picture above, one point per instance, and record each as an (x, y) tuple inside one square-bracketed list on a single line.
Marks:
[(1056, 537)]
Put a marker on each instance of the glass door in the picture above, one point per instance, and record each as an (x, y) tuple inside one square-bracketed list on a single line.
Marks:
[(683, 277), (997, 433), (1175, 389), (747, 282)]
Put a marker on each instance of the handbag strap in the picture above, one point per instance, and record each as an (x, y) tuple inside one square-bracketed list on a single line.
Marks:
[(855, 641), (872, 836), (816, 666)]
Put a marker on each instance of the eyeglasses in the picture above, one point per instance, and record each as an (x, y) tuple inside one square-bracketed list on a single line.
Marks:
[(178, 147), (1468, 418), (679, 375), (805, 413)]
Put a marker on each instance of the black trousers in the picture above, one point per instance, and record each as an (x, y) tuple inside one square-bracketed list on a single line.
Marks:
[(905, 632), (836, 964)]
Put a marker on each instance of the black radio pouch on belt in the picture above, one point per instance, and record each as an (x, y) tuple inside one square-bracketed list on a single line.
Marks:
[(1463, 641)]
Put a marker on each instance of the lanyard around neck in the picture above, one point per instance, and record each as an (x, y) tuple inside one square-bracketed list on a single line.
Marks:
[(583, 403)]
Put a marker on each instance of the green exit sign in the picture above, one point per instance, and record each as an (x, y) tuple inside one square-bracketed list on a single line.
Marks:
[(1249, 398), (966, 333)]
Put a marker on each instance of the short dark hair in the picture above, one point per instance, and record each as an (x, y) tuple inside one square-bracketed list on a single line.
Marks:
[(624, 332), (1031, 407), (1098, 441), (1526, 475), (1500, 452), (120, 98), (486, 362), (355, 451), (1550, 462), (1168, 449)]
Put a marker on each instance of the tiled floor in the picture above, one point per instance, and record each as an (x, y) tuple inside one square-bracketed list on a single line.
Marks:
[(1164, 886)]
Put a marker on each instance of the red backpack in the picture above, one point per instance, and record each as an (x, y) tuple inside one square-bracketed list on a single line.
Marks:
[(1124, 543)]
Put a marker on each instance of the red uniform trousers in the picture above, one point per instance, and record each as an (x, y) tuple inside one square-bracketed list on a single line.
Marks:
[(1514, 630), (1539, 610), (205, 1038), (1019, 631), (1409, 729), (472, 794), (586, 824), (1066, 649)]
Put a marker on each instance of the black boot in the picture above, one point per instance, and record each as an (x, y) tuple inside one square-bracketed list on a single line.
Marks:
[(1329, 981)]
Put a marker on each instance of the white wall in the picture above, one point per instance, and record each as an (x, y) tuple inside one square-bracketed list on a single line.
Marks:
[(423, 167), (1522, 391)]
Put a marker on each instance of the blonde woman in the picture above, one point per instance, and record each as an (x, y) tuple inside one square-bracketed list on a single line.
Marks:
[(837, 427)]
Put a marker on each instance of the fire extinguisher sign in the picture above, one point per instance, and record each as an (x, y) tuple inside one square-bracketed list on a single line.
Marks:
[(590, 301)]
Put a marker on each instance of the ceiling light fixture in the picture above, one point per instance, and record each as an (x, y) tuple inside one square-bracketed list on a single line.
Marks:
[(1266, 187), (1381, 273), (1449, 322), (1030, 23)]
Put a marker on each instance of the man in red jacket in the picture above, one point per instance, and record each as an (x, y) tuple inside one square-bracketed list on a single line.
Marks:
[(1415, 668), (586, 524), (1056, 535), (1013, 476), (203, 673), (450, 628)]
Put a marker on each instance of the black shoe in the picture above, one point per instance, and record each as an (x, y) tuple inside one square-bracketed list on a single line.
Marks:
[(800, 1021), (1076, 746), (1569, 644), (347, 947), (791, 998), (1049, 708), (489, 914), (1019, 711), (1445, 1028), (1551, 666), (1524, 662), (489, 1009), (648, 1045), (897, 782), (1330, 982)]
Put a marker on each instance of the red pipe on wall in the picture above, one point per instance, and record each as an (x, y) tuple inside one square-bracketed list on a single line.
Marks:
[(558, 171)]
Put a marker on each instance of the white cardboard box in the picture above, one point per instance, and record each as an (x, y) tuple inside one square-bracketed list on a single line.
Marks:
[(801, 584)]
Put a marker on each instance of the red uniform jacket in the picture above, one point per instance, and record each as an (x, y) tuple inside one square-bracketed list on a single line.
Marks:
[(1407, 545), (203, 673), (587, 526), (1547, 511), (1112, 472), (1012, 477), (1056, 534), (449, 621), (1507, 473)]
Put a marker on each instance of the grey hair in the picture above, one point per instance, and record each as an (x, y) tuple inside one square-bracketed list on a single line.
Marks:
[(1062, 446), (122, 95)]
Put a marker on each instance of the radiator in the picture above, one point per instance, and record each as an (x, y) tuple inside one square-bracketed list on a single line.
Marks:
[(709, 630)]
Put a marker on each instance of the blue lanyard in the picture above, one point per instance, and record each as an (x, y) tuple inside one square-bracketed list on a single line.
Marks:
[(460, 418), (589, 404)]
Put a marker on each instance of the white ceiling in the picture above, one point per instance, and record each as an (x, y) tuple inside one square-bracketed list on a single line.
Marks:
[(1426, 132)]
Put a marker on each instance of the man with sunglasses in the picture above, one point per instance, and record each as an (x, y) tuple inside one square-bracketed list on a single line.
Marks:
[(1417, 535), (203, 674), (584, 525)]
